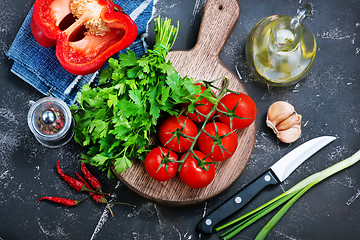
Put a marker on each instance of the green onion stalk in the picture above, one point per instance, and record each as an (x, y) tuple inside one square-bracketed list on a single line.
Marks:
[(288, 198)]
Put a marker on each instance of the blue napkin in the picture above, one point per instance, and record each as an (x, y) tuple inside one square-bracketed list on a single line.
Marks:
[(39, 66)]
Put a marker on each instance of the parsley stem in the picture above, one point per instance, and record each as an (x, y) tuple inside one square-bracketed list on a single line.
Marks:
[(166, 35)]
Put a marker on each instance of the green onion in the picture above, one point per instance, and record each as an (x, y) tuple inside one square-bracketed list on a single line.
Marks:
[(288, 198)]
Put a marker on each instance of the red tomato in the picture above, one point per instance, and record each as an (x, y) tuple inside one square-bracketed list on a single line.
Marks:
[(239, 107), (193, 175), (203, 108), (161, 156), (173, 128), (224, 145)]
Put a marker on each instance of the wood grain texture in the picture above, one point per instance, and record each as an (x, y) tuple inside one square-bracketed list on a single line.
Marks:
[(201, 63)]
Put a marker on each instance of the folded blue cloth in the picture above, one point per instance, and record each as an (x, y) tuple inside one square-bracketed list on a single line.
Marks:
[(39, 66)]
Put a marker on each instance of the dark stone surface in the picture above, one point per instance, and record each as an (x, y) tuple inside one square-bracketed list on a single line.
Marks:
[(328, 99)]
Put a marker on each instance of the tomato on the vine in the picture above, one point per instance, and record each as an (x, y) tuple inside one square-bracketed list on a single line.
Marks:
[(237, 110), (172, 131), (203, 107), (159, 164), (223, 143), (196, 176)]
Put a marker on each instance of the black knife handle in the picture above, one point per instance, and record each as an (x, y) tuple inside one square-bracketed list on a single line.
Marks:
[(236, 202)]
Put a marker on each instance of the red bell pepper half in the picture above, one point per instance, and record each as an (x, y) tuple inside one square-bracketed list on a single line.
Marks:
[(86, 32)]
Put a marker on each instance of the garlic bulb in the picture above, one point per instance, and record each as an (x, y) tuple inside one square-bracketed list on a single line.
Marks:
[(284, 121)]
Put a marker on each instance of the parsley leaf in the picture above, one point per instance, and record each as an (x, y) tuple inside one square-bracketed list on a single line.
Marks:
[(115, 120)]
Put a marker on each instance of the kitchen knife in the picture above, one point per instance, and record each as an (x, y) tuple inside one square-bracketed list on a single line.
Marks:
[(276, 174)]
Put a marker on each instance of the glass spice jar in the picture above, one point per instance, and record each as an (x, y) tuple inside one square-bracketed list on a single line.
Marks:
[(50, 121)]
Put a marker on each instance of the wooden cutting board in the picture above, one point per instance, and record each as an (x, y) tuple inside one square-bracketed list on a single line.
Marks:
[(201, 63)]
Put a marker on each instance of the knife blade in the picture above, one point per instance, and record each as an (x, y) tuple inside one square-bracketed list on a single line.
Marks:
[(277, 173)]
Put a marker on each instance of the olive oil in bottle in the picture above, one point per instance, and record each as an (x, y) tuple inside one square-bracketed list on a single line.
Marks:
[(280, 49)]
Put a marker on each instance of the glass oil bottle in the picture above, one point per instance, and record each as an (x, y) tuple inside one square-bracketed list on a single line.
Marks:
[(280, 49)]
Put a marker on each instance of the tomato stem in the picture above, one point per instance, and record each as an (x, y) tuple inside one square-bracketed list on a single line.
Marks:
[(223, 91), (165, 160), (231, 113)]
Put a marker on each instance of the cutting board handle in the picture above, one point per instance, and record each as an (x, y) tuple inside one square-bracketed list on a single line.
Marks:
[(218, 21)]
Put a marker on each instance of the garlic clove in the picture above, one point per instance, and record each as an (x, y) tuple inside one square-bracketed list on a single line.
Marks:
[(279, 111), (284, 121), (272, 126), (290, 135), (294, 119)]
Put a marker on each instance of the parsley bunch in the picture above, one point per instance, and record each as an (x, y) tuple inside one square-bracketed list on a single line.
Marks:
[(115, 119)]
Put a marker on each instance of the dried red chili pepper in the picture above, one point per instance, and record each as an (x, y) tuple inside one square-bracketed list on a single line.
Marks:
[(74, 183), (93, 180), (97, 197), (64, 201)]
